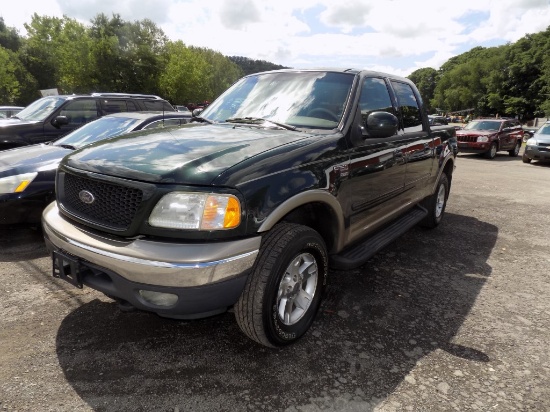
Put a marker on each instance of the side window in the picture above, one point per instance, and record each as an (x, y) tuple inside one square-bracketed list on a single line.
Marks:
[(132, 107), (157, 105), (113, 106), (80, 111), (167, 107), (375, 97), (409, 107)]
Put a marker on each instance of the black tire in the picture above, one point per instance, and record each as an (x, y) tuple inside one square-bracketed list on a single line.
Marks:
[(492, 152), (436, 203), (271, 285), (515, 151), (525, 159)]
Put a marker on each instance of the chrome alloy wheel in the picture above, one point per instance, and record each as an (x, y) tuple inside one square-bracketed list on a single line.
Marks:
[(297, 288), (440, 201)]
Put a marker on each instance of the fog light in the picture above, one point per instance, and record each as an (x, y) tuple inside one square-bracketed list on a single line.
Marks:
[(158, 298)]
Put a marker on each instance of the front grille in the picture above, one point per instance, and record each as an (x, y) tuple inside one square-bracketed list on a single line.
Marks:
[(114, 206), (466, 138)]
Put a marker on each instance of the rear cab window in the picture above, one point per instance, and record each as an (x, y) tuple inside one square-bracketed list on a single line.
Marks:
[(409, 107)]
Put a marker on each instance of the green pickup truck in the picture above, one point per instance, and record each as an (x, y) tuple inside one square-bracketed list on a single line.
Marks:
[(286, 174)]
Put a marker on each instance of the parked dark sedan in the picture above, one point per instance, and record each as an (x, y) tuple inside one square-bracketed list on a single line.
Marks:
[(27, 174)]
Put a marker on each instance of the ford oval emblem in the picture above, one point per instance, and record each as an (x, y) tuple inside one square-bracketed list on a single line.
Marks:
[(86, 197)]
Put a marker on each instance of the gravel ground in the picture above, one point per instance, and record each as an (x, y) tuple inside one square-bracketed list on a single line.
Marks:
[(453, 319)]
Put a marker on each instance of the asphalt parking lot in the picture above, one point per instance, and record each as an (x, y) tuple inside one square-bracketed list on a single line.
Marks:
[(453, 319)]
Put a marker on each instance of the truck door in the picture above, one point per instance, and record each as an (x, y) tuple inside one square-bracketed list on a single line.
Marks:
[(510, 134), (78, 112), (377, 166), (419, 150)]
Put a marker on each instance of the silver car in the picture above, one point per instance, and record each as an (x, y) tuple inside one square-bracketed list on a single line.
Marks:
[(538, 146)]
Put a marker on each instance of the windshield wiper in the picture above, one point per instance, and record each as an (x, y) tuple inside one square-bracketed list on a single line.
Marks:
[(67, 146), (259, 120)]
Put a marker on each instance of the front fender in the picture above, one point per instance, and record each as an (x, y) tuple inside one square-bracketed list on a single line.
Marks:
[(301, 199)]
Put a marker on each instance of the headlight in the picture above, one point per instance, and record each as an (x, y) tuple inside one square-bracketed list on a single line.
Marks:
[(531, 142), (199, 211), (482, 139), (17, 183)]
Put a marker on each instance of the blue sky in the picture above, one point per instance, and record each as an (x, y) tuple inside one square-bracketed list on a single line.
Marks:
[(395, 36)]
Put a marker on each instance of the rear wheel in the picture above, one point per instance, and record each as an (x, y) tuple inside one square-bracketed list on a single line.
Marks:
[(515, 151), (283, 292), (436, 203), (492, 152)]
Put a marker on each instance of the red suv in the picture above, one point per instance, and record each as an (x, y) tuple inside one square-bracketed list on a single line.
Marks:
[(488, 136)]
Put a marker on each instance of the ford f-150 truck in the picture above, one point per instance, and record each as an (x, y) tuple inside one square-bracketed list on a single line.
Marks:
[(286, 174)]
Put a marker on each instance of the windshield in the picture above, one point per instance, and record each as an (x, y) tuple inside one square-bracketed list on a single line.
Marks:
[(483, 125), (40, 109), (99, 129), (302, 99), (545, 129)]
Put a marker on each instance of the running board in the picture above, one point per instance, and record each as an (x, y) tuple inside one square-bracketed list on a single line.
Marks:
[(357, 255)]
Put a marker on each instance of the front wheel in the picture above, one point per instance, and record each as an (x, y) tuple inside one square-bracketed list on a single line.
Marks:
[(436, 203), (525, 159), (515, 151), (284, 290), (492, 151)]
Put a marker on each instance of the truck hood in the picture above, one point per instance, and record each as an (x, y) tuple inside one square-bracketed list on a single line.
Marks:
[(463, 132), (13, 124), (35, 158), (194, 154)]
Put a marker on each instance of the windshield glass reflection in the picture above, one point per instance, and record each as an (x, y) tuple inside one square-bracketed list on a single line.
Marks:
[(98, 130), (483, 125), (40, 109), (302, 99)]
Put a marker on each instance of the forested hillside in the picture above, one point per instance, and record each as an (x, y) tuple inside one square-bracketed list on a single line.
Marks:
[(510, 80)]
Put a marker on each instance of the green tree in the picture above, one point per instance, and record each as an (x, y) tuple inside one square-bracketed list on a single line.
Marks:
[(9, 84), (221, 74), (127, 57), (250, 66), (17, 86), (425, 80), (184, 78), (9, 37), (57, 53)]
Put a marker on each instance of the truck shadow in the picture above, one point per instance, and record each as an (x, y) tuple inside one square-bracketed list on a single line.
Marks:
[(376, 323)]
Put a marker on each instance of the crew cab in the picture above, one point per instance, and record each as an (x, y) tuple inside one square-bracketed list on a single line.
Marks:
[(51, 117), (489, 136), (286, 174)]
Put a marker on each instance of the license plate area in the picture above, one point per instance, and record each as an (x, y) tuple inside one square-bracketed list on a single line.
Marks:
[(68, 268)]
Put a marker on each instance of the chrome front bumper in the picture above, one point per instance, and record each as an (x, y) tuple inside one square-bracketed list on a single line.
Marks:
[(149, 262)]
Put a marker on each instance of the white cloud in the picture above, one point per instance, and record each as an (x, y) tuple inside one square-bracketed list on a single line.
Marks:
[(397, 36)]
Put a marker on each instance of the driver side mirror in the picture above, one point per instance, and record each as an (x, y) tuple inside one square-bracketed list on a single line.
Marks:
[(60, 121), (197, 112), (381, 124)]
